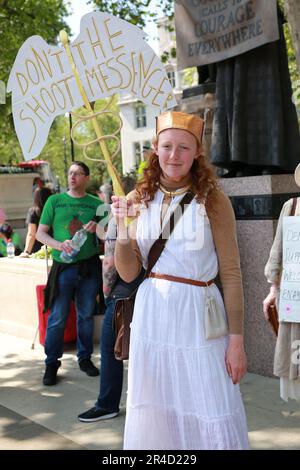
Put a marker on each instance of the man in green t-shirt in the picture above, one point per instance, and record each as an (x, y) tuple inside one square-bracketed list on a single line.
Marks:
[(65, 214)]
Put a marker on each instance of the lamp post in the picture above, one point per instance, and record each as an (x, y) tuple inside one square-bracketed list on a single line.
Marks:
[(69, 115), (65, 158)]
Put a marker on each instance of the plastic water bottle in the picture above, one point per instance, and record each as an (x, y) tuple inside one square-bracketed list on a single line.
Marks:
[(10, 249), (77, 241)]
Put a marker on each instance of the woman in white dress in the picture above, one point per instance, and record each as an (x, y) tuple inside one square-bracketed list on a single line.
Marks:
[(183, 390)]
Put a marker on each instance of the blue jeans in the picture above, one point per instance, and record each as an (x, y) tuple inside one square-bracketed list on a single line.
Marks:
[(84, 290), (111, 370)]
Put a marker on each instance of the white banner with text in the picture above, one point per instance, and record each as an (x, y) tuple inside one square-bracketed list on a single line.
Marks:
[(209, 31)]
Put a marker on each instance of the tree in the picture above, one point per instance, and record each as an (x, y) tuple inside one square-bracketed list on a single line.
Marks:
[(292, 10), (55, 150), (19, 20), (136, 12), (292, 44)]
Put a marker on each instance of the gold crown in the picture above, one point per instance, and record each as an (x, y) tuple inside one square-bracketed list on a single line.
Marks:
[(177, 120)]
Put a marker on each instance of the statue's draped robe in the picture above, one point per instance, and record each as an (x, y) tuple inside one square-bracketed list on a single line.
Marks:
[(255, 122)]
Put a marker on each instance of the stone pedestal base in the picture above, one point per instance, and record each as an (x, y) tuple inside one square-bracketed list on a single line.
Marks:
[(256, 230)]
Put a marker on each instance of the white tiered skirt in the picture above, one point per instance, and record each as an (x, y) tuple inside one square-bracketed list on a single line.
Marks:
[(180, 396)]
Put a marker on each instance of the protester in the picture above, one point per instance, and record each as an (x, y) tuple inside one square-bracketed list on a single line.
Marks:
[(66, 213), (288, 339), (7, 233), (111, 369), (32, 245), (183, 389), (105, 193)]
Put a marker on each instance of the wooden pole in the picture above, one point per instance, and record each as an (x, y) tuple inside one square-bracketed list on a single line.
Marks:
[(117, 185)]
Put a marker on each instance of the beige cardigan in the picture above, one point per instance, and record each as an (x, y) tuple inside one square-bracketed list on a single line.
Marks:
[(222, 221), (288, 332)]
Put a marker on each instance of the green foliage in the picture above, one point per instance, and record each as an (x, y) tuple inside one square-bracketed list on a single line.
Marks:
[(131, 11), (58, 153), (136, 12), (167, 55), (41, 254), (293, 69), (190, 77), (20, 19)]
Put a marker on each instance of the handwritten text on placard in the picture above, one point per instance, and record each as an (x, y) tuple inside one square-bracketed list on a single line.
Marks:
[(111, 56), (289, 303)]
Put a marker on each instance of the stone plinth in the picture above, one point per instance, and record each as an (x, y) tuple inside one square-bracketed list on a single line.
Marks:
[(18, 304), (255, 237)]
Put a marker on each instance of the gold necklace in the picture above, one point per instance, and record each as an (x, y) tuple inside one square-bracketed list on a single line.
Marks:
[(177, 192)]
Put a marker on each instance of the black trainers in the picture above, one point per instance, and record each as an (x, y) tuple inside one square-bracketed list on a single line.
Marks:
[(96, 414), (51, 373), (88, 367)]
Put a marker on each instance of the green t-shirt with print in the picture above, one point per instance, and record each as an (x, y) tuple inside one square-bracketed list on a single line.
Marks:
[(66, 215)]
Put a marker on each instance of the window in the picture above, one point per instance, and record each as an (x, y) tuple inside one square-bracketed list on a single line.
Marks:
[(171, 77), (138, 152), (140, 116)]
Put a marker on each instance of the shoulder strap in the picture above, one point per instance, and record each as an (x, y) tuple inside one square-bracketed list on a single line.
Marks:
[(158, 246), (294, 206)]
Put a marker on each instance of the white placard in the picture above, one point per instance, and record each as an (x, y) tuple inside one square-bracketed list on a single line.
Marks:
[(289, 302), (111, 56)]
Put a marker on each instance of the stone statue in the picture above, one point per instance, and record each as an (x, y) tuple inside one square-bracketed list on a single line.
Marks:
[(255, 128)]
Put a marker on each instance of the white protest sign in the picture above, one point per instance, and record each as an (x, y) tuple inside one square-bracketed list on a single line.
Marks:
[(110, 55), (289, 303), (208, 31)]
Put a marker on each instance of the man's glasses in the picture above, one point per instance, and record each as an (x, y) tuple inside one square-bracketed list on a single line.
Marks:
[(76, 173)]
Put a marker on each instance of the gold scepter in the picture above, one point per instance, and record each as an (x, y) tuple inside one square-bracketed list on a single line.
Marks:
[(117, 185)]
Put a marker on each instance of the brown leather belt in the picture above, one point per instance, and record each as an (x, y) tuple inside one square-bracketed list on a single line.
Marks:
[(183, 280)]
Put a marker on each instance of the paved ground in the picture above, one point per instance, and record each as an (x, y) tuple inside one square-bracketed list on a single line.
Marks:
[(33, 417)]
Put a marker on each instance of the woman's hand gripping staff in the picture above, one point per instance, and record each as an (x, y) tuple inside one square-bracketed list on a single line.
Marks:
[(123, 211)]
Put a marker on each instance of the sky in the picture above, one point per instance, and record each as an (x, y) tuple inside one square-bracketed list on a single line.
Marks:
[(80, 8)]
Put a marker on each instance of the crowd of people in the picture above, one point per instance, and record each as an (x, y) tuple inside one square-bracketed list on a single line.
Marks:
[(184, 371), (7, 233)]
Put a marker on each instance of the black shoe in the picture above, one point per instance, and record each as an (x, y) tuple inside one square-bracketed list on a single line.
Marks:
[(96, 414), (51, 373), (88, 367)]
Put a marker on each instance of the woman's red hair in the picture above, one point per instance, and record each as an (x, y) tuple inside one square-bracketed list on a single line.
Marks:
[(203, 179)]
